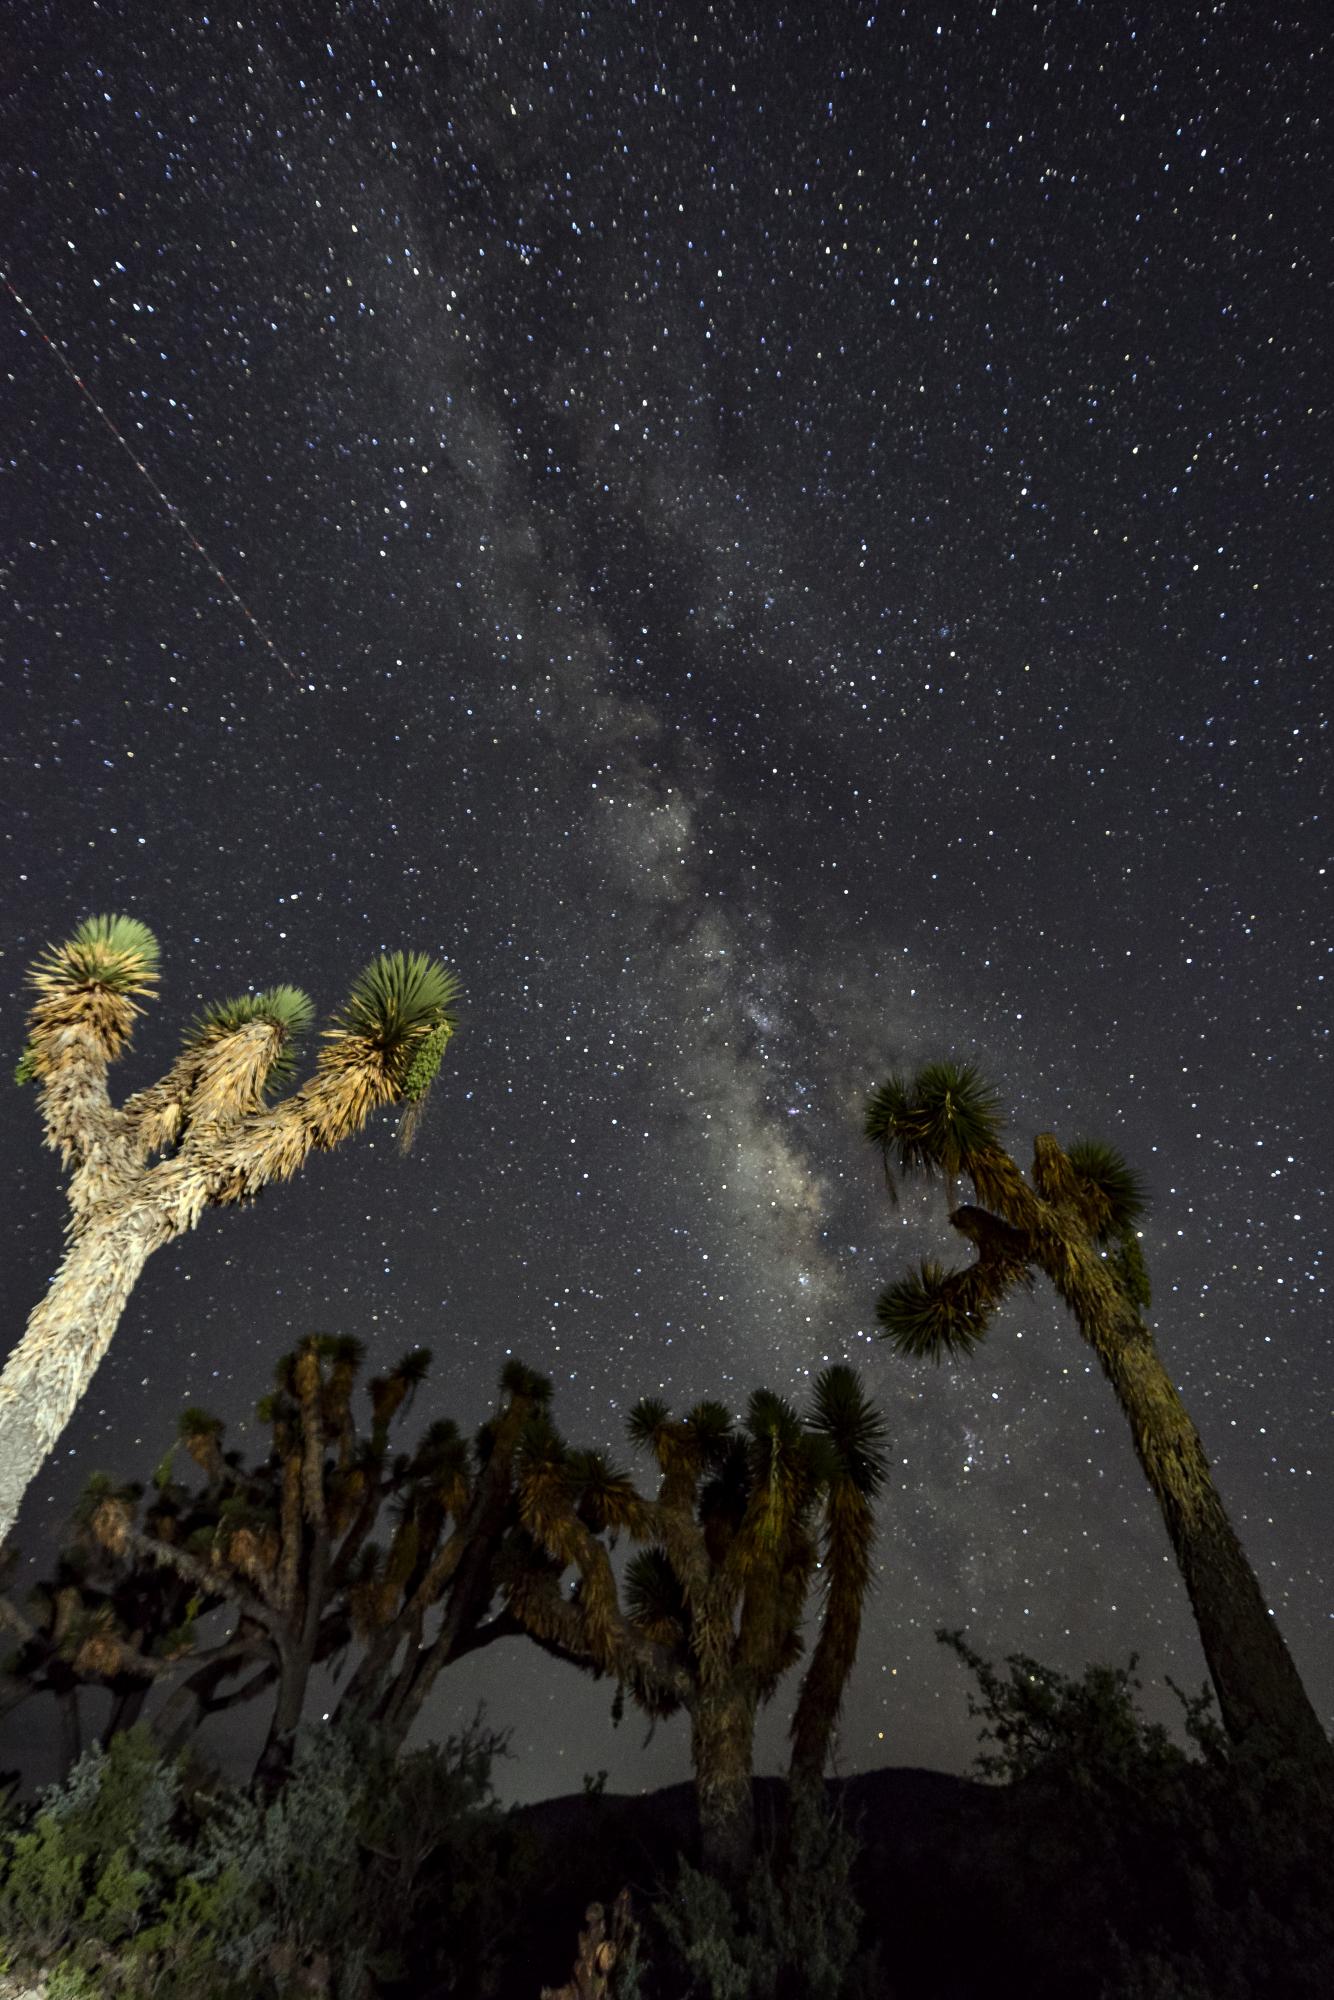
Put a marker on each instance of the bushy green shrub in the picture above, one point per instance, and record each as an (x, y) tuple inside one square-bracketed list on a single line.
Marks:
[(116, 1886), (95, 1883), (1173, 1871), (794, 1933)]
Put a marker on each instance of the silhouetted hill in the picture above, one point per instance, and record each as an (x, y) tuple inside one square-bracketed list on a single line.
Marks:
[(917, 1828), (989, 1892)]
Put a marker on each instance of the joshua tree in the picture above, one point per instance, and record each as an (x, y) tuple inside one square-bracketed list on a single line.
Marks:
[(104, 1625), (1075, 1222), (215, 1139), (710, 1616), (287, 1545), (854, 1434)]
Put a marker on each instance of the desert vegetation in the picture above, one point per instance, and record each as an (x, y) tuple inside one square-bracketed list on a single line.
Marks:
[(369, 1539)]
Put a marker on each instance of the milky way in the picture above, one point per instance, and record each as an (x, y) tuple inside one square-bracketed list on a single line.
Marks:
[(800, 544)]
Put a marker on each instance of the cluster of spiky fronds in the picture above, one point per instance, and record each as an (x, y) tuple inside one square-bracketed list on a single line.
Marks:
[(87, 989), (395, 1005), (284, 1008), (933, 1313), (845, 1417), (384, 1046), (118, 954), (946, 1120), (943, 1120), (1116, 1194), (654, 1599)]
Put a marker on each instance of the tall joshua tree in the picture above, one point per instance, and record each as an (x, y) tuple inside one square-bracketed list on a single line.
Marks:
[(203, 1136), (287, 1548), (1075, 1222), (709, 1616), (853, 1433)]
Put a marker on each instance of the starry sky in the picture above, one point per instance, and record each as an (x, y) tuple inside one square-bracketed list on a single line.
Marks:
[(783, 543)]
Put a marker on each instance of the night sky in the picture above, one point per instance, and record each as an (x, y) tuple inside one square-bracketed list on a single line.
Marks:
[(783, 544)]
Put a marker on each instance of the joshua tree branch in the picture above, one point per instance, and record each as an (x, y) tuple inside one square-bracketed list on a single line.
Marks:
[(213, 1582)]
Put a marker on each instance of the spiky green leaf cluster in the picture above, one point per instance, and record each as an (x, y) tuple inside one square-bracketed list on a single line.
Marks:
[(1120, 1194), (770, 1418), (517, 1379), (646, 1421), (653, 1594), (25, 1069), (197, 1423), (286, 1008), (119, 954), (398, 1000), (928, 1315), (843, 1414), (710, 1426), (936, 1122), (414, 1366)]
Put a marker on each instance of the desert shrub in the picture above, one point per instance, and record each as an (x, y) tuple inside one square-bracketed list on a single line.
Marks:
[(1179, 1870), (794, 1933), (113, 1884), (95, 1884), (450, 1867)]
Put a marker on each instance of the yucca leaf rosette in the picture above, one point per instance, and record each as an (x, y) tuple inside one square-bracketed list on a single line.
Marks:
[(934, 1313), (646, 1422), (391, 1035), (117, 954), (90, 982), (654, 1599), (944, 1120), (1115, 1192), (846, 1418), (285, 1009)]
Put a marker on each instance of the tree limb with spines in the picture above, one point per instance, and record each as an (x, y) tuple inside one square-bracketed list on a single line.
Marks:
[(206, 1135)]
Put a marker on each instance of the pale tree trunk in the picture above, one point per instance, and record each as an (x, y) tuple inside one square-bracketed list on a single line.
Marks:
[(66, 1337), (722, 1734)]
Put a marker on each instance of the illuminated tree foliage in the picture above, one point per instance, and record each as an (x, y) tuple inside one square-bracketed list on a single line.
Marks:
[(204, 1136)]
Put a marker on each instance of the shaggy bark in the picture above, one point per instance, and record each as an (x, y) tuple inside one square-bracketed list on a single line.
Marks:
[(1260, 1692), (722, 1743), (65, 1339)]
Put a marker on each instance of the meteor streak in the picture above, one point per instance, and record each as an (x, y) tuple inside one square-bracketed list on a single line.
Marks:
[(172, 510)]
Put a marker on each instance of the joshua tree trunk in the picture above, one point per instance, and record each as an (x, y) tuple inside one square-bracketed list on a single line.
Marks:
[(66, 1337), (71, 1729), (126, 1708), (722, 1751), (189, 1705), (1260, 1693), (275, 1759)]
